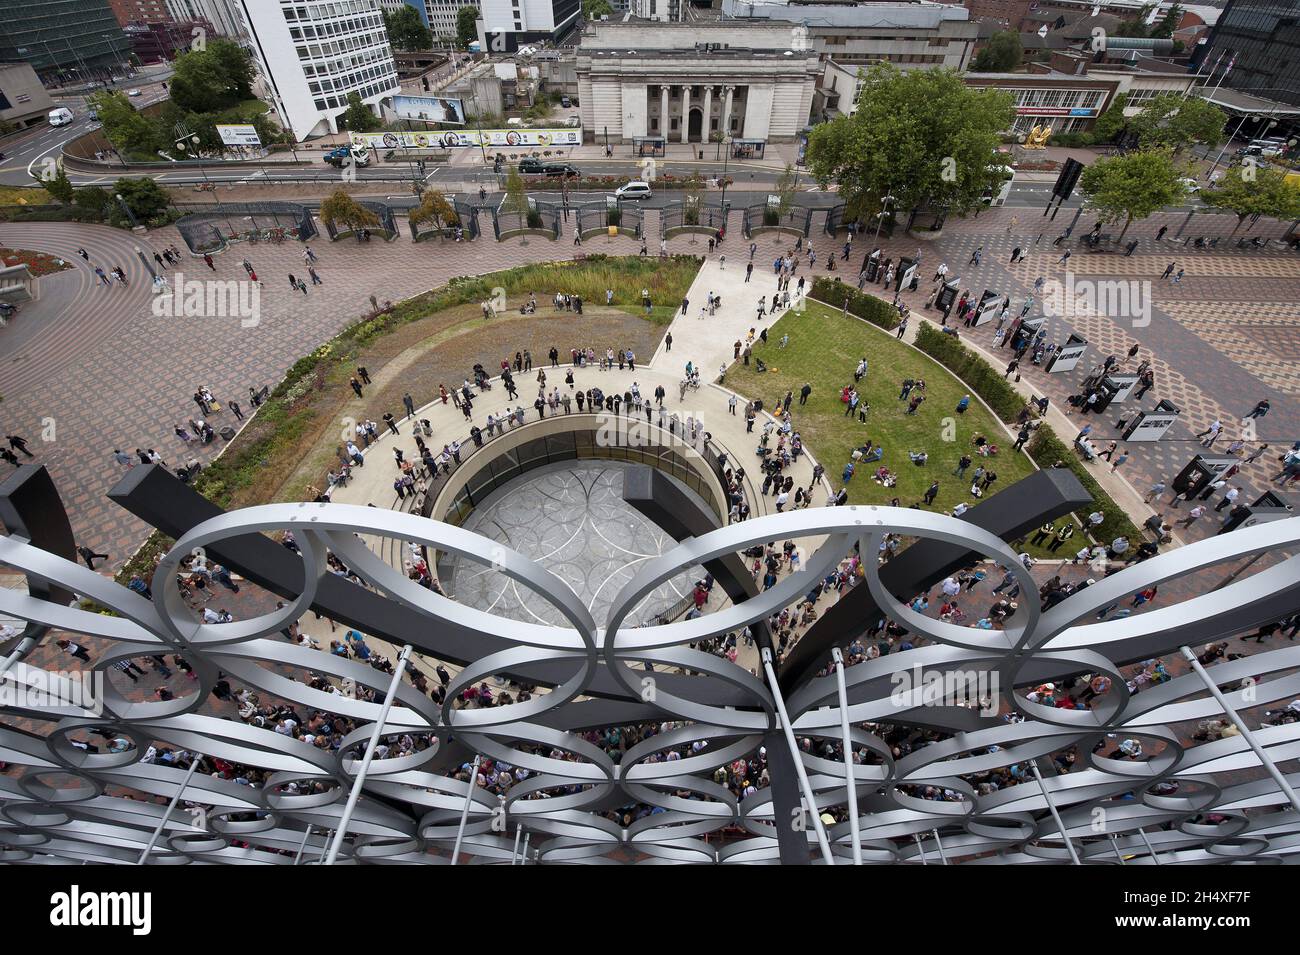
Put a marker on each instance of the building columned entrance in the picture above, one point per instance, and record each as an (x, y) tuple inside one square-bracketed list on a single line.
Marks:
[(695, 125)]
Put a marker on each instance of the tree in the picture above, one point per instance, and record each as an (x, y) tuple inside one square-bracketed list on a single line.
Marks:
[(59, 185), (144, 197), (1002, 54), (1167, 24), (921, 137), (130, 132), (406, 31), (358, 117), (785, 190), (516, 198), (466, 25), (1170, 121), (1132, 186), (215, 78), (91, 203), (1248, 191), (345, 214), (434, 208), (595, 9), (1110, 122)]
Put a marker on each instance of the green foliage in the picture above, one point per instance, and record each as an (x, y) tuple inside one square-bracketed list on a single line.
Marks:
[(516, 199), (359, 117), (147, 200), (613, 217), (466, 27), (785, 187), (212, 79), (60, 186), (1167, 24), (595, 9), (91, 202), (1049, 451), (1111, 121), (434, 208), (131, 133), (345, 214), (406, 31), (1002, 54), (1172, 122), (534, 219), (982, 378), (922, 136), (1132, 186), (834, 293), (1251, 191)]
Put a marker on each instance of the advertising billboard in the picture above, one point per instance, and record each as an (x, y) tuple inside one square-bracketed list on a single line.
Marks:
[(455, 139), (430, 109), (240, 135)]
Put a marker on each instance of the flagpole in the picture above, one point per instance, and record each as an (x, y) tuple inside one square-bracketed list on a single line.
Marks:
[(1226, 71)]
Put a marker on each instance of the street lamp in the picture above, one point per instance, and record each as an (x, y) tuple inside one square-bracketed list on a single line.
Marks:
[(880, 216), (127, 209), (192, 143)]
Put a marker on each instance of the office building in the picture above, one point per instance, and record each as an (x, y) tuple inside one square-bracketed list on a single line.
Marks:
[(313, 53), (141, 11), (1261, 41), (507, 25), (69, 40), (23, 100), (222, 14)]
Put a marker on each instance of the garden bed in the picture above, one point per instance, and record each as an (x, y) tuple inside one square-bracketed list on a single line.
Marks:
[(38, 263)]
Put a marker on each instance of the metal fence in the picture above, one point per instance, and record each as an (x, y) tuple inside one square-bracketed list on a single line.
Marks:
[(542, 216), (705, 215), (211, 228), (468, 224), (382, 210), (596, 217), (763, 216), (835, 219)]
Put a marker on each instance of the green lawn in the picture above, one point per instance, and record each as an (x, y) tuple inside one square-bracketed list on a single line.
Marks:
[(824, 350)]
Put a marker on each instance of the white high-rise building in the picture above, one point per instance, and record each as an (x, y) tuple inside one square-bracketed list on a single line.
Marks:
[(440, 15), (220, 13), (508, 25), (313, 53)]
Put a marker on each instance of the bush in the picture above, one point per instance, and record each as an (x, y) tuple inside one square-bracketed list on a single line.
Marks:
[(534, 219), (833, 292), (1049, 451), (771, 217), (977, 373), (614, 217)]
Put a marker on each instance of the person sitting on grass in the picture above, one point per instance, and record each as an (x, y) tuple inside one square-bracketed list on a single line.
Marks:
[(918, 458)]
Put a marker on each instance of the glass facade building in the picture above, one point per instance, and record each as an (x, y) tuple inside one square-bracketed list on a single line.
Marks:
[(1264, 35), (68, 39)]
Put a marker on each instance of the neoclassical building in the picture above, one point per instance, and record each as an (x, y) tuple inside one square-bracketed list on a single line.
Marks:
[(695, 83)]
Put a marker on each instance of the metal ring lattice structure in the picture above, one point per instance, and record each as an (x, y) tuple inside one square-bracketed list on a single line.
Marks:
[(69, 805)]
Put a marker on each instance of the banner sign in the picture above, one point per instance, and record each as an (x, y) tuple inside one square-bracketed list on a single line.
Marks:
[(240, 135), (453, 139), (430, 109), (1068, 355)]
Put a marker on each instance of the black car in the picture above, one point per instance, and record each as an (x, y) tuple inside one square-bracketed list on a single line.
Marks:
[(535, 167)]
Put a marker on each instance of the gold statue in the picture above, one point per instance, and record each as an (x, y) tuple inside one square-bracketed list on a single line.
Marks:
[(1037, 137)]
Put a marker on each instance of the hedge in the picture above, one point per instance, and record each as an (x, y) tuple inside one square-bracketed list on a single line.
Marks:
[(982, 377), (1049, 451), (833, 292)]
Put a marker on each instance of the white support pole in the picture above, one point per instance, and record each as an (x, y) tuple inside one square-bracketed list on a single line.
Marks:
[(464, 813), (1074, 857), (325, 848), (916, 836), (1150, 848), (1115, 846), (523, 858), (943, 856), (1246, 733), (514, 853), (804, 785), (153, 840), (305, 836), (850, 784), (353, 797)]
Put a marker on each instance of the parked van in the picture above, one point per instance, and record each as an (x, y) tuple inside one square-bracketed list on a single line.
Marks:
[(60, 117)]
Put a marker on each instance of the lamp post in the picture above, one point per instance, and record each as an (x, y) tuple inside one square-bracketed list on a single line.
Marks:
[(880, 216), (127, 209), (191, 144)]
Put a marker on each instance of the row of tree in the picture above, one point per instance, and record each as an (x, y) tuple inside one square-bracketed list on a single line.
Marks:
[(924, 141)]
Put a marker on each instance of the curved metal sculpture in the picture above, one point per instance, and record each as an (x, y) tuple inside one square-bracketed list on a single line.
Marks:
[(909, 807)]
